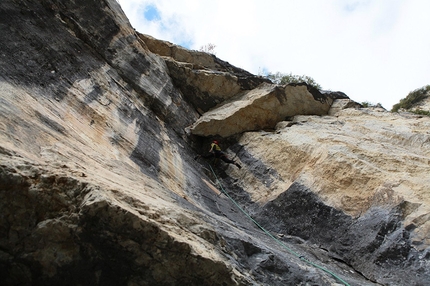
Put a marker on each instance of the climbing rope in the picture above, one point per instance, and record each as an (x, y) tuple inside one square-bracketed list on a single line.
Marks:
[(273, 237)]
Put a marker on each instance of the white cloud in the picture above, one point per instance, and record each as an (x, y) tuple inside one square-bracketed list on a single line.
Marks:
[(375, 51)]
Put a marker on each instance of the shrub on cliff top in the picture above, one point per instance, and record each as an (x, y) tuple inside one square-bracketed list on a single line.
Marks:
[(280, 78), (208, 48), (412, 98)]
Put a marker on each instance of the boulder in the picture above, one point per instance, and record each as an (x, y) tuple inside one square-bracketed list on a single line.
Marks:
[(260, 108), (340, 104)]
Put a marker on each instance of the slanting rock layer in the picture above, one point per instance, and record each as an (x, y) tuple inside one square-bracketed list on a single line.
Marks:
[(203, 79), (99, 186)]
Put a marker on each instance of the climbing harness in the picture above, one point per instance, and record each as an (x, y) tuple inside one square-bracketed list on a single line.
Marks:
[(301, 257), (215, 161)]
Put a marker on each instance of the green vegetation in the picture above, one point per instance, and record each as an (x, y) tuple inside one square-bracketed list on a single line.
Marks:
[(412, 98), (280, 78), (370, 104), (421, 112)]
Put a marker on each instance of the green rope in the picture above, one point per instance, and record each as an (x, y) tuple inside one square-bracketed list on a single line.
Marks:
[(277, 240)]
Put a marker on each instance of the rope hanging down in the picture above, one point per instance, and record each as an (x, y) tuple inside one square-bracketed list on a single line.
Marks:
[(277, 240)]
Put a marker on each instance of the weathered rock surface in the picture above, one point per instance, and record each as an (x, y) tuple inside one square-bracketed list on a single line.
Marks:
[(260, 108), (98, 185), (357, 181), (203, 79), (341, 104)]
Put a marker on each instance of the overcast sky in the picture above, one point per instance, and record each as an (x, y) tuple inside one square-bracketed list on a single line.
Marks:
[(373, 50)]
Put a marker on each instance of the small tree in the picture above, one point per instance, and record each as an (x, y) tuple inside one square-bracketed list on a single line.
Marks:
[(208, 48), (366, 104), (280, 78)]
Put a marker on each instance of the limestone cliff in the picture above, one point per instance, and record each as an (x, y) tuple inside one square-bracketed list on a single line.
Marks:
[(99, 127)]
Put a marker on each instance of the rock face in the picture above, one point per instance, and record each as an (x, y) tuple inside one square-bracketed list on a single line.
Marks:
[(98, 185), (203, 79), (346, 187)]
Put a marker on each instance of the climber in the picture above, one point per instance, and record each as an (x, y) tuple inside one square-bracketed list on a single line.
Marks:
[(216, 152)]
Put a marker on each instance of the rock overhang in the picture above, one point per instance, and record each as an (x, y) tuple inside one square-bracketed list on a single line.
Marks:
[(260, 108)]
